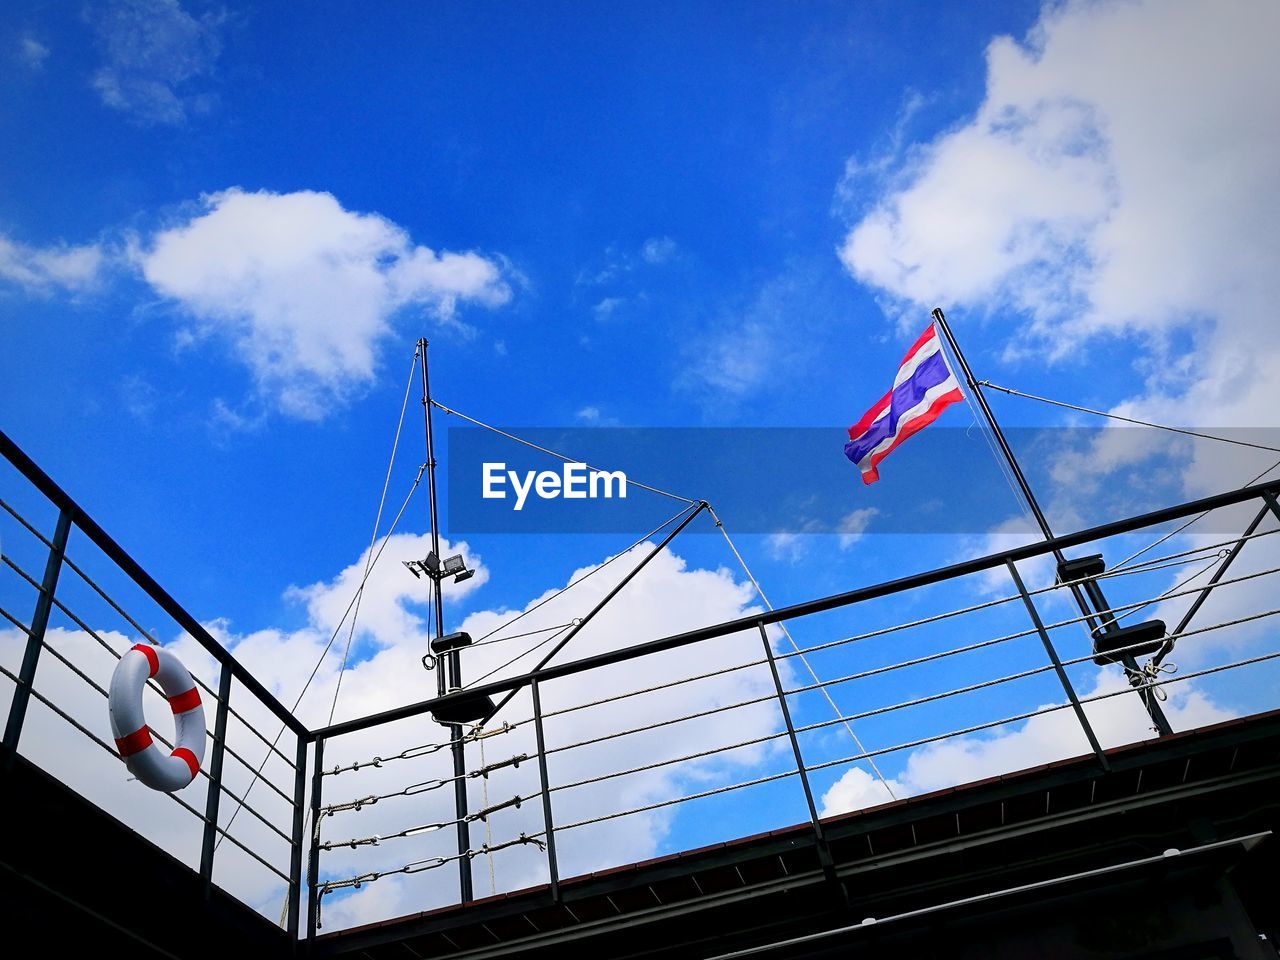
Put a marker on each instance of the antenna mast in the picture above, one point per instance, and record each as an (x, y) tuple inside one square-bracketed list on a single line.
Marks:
[(446, 662)]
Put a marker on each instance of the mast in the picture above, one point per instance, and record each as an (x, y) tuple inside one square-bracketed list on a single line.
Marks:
[(450, 662), (1132, 671)]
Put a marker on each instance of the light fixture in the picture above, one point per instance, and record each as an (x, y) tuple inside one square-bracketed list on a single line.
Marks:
[(453, 566)]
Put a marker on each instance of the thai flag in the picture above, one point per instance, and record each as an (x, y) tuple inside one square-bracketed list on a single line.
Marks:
[(923, 388)]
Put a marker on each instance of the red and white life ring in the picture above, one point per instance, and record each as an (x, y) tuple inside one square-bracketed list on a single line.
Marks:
[(143, 756)]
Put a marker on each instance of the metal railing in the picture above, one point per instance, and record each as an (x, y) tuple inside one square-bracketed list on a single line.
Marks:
[(795, 739), (74, 528), (780, 745)]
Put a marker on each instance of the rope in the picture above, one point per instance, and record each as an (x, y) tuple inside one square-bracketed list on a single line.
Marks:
[(796, 647), (488, 828), (556, 454), (980, 422), (373, 537), (1140, 423)]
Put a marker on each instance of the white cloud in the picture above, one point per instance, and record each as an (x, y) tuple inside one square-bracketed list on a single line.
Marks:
[(1116, 178), (394, 604), (606, 307), (32, 52), (42, 270), (305, 290), (595, 417), (755, 344), (154, 52), (853, 525), (787, 546), (658, 250)]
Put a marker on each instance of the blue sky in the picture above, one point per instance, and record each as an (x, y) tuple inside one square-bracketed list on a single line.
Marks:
[(223, 226)]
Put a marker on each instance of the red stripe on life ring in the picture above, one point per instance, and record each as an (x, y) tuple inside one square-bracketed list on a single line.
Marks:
[(182, 753), (185, 701), (150, 654), (135, 742)]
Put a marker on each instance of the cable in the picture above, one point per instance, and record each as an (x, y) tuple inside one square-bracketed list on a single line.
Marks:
[(1187, 523), (553, 453), (594, 570), (336, 630), (520, 636), (1140, 423), (981, 644), (520, 656), (1218, 558), (787, 633), (373, 537)]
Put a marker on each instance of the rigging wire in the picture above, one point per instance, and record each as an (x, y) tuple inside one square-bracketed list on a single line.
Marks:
[(795, 646), (560, 456), (1158, 426), (373, 537), (594, 570), (562, 628), (325, 652), (1133, 420), (1018, 496), (520, 656), (1186, 523)]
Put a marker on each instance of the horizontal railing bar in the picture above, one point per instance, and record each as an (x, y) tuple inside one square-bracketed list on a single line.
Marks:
[(809, 607), (151, 684), (121, 557), (1135, 605), (905, 746), (1038, 712), (656, 764), (15, 621), (89, 734), (252, 769), (57, 655), (674, 800)]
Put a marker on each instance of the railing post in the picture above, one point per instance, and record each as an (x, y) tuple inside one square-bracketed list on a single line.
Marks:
[(299, 838), (552, 866), (1058, 669), (214, 797), (35, 640), (820, 837), (313, 862)]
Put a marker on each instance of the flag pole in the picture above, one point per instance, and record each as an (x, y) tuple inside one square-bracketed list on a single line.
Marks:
[(1132, 670), (448, 661)]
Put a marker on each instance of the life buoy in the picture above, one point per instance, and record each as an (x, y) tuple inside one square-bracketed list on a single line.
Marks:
[(142, 755)]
